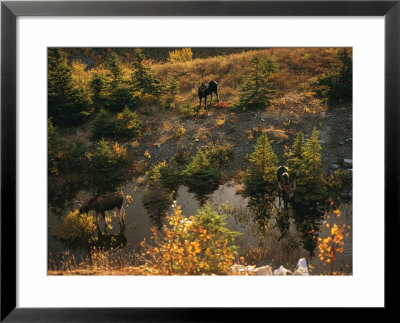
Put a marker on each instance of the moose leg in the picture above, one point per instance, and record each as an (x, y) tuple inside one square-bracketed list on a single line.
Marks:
[(97, 219), (210, 99), (121, 212), (279, 197), (285, 199), (105, 223), (217, 96)]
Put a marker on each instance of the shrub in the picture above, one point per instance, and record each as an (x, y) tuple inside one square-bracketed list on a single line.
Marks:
[(195, 245), (180, 131), (187, 111), (180, 55), (218, 154), (76, 230), (333, 244), (219, 123)]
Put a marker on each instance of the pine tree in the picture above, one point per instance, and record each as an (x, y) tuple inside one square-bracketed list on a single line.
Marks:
[(257, 90), (201, 177), (156, 198), (127, 124), (336, 85), (119, 94), (114, 73), (172, 89), (260, 179), (67, 104), (105, 169), (144, 84), (103, 126), (295, 156), (310, 182), (98, 92)]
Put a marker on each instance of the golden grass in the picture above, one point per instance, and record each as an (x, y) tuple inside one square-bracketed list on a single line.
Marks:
[(297, 66)]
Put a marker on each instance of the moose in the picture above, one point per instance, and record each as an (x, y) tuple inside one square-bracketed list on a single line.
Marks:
[(284, 186), (206, 89), (101, 203)]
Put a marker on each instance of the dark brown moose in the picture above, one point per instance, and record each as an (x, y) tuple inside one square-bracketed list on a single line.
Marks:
[(284, 185), (206, 89), (103, 202)]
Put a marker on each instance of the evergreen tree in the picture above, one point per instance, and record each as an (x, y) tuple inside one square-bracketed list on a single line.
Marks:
[(119, 94), (295, 156), (310, 181), (144, 84), (336, 86), (114, 73), (67, 104), (201, 177), (257, 90), (127, 124), (98, 92), (105, 169), (172, 89), (103, 126), (260, 179), (156, 198)]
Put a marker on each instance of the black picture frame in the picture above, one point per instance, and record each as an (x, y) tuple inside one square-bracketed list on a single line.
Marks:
[(10, 10)]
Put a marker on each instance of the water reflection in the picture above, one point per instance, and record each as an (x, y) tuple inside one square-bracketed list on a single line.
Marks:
[(284, 227)]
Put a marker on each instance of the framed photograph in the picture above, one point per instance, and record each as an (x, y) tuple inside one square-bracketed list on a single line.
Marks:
[(165, 160)]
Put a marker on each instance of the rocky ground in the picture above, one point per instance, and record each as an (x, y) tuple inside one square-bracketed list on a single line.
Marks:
[(159, 141)]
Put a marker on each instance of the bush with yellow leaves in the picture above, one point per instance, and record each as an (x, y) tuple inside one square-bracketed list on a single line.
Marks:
[(180, 55), (333, 244), (75, 230), (195, 245)]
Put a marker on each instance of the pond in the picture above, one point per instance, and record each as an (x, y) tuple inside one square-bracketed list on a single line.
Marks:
[(276, 252)]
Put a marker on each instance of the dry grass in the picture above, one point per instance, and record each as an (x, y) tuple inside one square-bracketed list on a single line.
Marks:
[(297, 67)]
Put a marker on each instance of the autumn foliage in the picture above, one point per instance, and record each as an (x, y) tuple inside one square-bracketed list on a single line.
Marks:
[(333, 244), (194, 245)]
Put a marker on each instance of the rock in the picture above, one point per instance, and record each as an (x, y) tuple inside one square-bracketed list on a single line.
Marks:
[(240, 269), (341, 143), (263, 271), (282, 271), (301, 268), (237, 269), (197, 140), (348, 163), (335, 166)]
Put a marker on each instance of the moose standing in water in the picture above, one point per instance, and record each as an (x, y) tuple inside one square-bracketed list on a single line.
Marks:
[(284, 185), (104, 202), (206, 89)]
